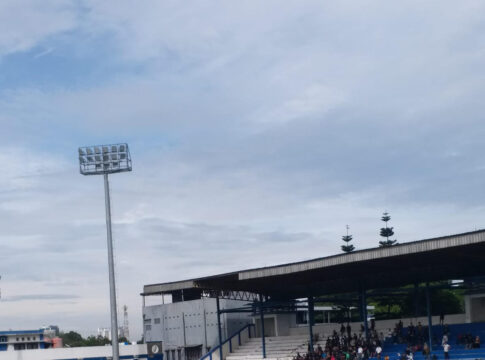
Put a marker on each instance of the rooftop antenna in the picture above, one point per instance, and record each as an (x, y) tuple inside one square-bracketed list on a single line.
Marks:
[(126, 327)]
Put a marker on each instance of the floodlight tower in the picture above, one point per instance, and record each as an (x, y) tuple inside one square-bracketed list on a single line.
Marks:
[(104, 160)]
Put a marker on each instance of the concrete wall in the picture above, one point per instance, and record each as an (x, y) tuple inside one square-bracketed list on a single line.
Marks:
[(475, 307), (281, 324), (73, 353), (191, 323)]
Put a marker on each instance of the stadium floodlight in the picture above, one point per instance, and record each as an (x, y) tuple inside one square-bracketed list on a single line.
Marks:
[(104, 160)]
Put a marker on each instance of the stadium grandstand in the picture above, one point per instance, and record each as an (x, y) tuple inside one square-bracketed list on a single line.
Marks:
[(256, 313)]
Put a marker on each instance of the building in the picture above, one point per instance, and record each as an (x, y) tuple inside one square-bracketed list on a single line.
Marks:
[(25, 339), (106, 332), (185, 325)]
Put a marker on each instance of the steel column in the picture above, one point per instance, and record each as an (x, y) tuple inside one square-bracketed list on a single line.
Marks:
[(261, 310), (430, 320), (416, 300), (219, 328), (364, 313), (311, 307), (111, 268)]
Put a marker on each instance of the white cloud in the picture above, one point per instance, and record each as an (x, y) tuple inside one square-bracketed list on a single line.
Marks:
[(258, 132), (24, 24)]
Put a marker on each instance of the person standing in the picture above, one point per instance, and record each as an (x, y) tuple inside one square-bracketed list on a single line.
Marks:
[(426, 351), (378, 352), (446, 349)]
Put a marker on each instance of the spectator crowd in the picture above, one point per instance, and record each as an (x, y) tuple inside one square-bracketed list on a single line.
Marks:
[(345, 345)]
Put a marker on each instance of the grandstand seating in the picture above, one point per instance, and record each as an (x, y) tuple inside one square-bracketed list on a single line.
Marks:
[(286, 347), (457, 351), (277, 348)]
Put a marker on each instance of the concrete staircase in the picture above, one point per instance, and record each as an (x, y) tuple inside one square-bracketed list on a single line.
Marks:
[(277, 348)]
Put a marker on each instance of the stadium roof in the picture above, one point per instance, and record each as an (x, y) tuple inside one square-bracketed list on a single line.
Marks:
[(444, 258)]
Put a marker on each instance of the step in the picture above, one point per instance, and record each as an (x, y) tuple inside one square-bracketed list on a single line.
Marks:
[(285, 346), (261, 358), (268, 351), (256, 356)]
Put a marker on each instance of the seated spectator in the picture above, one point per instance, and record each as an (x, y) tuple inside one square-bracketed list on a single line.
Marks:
[(426, 351), (476, 344)]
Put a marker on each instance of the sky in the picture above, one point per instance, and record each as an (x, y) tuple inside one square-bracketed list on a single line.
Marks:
[(258, 130)]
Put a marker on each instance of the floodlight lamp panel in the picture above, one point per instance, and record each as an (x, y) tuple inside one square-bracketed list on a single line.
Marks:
[(104, 159)]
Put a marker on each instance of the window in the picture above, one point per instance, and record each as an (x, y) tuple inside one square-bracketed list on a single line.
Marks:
[(148, 327), (147, 321), (19, 346), (156, 320), (3, 339)]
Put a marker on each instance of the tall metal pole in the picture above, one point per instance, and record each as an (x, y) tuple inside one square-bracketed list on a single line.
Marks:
[(221, 353), (311, 307), (112, 286), (364, 313), (263, 338)]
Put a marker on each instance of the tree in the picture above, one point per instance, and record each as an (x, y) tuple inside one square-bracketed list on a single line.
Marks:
[(347, 248), (386, 232), (72, 339)]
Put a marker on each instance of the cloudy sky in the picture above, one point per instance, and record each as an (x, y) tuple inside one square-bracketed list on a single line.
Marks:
[(258, 130)]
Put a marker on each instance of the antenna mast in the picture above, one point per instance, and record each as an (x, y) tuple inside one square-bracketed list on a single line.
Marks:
[(126, 327)]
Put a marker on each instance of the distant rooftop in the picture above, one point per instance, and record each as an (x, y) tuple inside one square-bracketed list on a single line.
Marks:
[(22, 332)]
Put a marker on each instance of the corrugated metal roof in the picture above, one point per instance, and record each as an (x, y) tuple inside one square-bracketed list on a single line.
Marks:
[(167, 287), (416, 247), (370, 254)]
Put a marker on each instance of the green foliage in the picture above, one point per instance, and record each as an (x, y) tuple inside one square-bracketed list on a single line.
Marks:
[(442, 300), (347, 238), (386, 232), (386, 217), (71, 339), (348, 248), (96, 341), (74, 339)]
